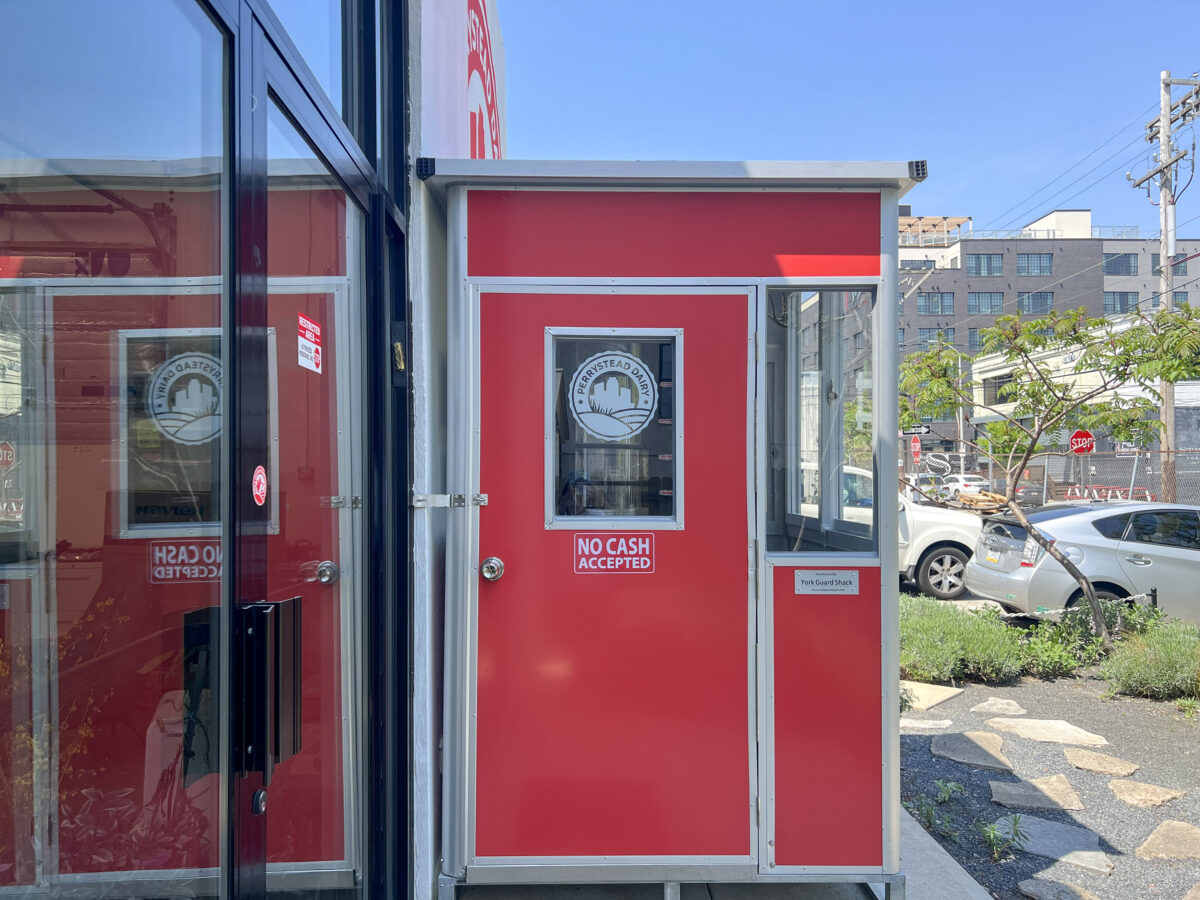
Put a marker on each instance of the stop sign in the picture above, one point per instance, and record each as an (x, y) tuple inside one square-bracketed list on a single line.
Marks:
[(1083, 441), (8, 455), (915, 446)]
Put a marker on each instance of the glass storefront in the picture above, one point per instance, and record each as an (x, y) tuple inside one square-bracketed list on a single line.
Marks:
[(182, 668), (113, 267)]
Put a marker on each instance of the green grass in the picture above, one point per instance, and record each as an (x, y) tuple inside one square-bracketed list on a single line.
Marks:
[(1163, 663), (939, 642)]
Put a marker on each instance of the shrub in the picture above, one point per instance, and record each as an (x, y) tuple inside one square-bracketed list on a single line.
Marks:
[(939, 642), (1163, 663), (1050, 653), (1122, 618)]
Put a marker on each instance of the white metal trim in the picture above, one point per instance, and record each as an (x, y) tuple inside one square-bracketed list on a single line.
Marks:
[(457, 764), (604, 872), (887, 449), (555, 522), (674, 174)]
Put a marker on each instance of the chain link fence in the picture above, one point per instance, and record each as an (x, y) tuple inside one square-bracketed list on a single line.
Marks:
[(1091, 476)]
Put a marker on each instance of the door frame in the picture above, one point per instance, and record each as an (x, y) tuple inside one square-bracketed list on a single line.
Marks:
[(462, 589)]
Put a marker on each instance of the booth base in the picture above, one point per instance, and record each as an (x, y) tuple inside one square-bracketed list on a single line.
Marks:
[(816, 887)]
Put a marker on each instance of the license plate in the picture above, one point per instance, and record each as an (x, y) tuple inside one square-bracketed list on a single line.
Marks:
[(993, 557)]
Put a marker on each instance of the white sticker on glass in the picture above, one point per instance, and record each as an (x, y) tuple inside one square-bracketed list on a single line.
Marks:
[(613, 395)]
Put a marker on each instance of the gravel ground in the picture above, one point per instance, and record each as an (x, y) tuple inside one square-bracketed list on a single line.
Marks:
[(1155, 735)]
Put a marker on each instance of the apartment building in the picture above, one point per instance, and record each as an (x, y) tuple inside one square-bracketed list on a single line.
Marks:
[(958, 281)]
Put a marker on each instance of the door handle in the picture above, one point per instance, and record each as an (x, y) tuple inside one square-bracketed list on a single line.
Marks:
[(492, 568), (1139, 560), (325, 572)]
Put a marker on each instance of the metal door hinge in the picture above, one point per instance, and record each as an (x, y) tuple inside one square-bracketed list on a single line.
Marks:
[(479, 499), (333, 502), (356, 502), (438, 501)]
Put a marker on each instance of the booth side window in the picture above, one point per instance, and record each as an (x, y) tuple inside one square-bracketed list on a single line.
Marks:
[(614, 442), (821, 492)]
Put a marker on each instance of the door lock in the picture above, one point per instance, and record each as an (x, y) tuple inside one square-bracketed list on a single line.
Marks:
[(327, 572), (492, 568)]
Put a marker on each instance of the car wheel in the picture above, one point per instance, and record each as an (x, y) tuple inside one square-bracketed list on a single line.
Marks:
[(1078, 599), (941, 571), (954, 496)]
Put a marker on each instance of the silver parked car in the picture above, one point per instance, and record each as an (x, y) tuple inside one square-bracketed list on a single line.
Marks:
[(1123, 548)]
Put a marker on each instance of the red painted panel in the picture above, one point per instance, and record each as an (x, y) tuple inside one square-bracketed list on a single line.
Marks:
[(612, 709), (614, 234), (828, 725)]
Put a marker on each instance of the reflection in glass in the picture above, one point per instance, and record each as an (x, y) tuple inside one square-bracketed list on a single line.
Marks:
[(316, 28), (820, 431), (614, 402), (112, 197), (314, 260)]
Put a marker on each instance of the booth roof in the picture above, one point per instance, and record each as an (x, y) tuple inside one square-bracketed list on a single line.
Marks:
[(441, 173)]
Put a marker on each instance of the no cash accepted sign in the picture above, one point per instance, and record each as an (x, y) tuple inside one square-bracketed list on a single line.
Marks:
[(614, 553)]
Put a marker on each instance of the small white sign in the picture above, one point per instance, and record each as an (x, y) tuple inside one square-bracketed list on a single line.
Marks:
[(830, 582), (309, 344)]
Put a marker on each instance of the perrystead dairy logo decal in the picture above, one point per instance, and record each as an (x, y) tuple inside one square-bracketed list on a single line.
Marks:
[(185, 398), (613, 395)]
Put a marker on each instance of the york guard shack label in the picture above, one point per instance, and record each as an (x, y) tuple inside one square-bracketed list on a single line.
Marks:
[(837, 581), (614, 553)]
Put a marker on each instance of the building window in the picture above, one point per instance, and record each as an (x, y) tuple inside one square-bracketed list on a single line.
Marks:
[(928, 337), (1120, 264), (1120, 301), (985, 263), (1179, 267), (1036, 303), (858, 340), (935, 304), (994, 389), (916, 264), (974, 344), (901, 336), (985, 304), (1035, 263), (1180, 298)]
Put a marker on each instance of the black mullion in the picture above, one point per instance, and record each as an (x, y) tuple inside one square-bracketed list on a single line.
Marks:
[(245, 871)]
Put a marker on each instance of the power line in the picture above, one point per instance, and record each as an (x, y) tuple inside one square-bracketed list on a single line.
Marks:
[(1141, 116)]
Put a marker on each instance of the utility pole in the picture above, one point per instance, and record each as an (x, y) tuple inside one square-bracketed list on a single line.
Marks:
[(1160, 129)]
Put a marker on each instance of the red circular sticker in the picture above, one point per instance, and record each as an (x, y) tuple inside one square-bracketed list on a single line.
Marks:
[(259, 486)]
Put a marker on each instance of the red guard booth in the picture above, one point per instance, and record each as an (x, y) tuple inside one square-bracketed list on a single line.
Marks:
[(671, 624)]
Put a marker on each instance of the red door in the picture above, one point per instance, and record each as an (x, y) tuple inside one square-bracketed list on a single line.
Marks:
[(613, 711)]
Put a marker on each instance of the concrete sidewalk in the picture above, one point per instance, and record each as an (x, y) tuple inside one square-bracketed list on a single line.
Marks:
[(932, 875)]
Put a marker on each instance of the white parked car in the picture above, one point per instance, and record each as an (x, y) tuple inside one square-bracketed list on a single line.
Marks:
[(965, 484), (935, 546), (1124, 548)]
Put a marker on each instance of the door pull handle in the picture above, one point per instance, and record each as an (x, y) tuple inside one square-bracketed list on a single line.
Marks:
[(1139, 560)]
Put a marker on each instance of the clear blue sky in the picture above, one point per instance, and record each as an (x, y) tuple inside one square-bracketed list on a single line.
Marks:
[(1000, 98)]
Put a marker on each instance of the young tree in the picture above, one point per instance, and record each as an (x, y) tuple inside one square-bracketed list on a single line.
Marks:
[(1108, 385)]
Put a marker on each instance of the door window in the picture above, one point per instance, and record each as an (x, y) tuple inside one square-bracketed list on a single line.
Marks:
[(616, 443)]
